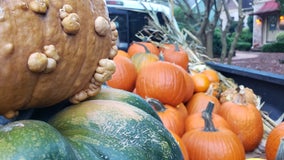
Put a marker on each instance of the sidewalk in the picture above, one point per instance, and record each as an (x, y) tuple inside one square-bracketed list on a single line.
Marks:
[(246, 55)]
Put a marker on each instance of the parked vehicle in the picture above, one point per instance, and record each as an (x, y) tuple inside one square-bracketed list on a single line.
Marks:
[(130, 17)]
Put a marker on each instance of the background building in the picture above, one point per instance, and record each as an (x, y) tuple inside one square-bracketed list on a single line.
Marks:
[(268, 22)]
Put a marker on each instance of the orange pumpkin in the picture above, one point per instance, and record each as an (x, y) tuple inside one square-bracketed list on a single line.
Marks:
[(195, 121), (125, 74), (123, 53), (199, 101), (182, 110), (273, 141), (138, 47), (212, 75), (189, 90), (144, 58), (170, 116), (163, 81), (175, 54), (200, 81), (51, 50), (213, 143), (246, 122)]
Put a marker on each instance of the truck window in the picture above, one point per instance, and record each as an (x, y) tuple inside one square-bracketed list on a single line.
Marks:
[(121, 20), (129, 22)]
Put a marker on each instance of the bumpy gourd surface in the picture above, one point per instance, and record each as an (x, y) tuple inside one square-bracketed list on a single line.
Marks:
[(50, 50)]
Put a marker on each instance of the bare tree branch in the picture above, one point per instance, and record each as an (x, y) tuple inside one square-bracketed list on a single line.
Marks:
[(204, 19)]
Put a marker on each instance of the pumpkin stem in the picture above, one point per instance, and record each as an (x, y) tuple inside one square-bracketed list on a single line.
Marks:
[(145, 48), (158, 106), (177, 49), (161, 57), (280, 151), (207, 116), (209, 108), (210, 90)]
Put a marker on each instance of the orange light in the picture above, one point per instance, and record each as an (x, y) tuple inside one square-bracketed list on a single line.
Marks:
[(281, 18), (258, 20)]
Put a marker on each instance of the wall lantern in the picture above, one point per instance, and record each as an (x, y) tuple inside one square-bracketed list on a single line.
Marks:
[(281, 22), (259, 20)]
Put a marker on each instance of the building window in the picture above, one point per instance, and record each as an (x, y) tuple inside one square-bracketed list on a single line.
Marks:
[(272, 22)]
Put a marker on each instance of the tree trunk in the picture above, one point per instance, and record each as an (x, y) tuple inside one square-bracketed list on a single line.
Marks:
[(224, 45), (209, 45), (224, 33), (238, 32), (211, 28)]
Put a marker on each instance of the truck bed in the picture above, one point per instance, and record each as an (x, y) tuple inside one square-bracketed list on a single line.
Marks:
[(269, 86)]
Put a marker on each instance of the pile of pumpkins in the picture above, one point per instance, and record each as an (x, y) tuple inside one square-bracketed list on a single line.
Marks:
[(206, 118), (56, 50)]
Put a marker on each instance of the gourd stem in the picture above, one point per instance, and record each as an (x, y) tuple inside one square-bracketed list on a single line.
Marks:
[(280, 151), (238, 89), (156, 104), (241, 98), (207, 116), (146, 49)]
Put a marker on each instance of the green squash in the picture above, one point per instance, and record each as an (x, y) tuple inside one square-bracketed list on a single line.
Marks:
[(33, 140), (107, 129), (108, 93), (90, 130)]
